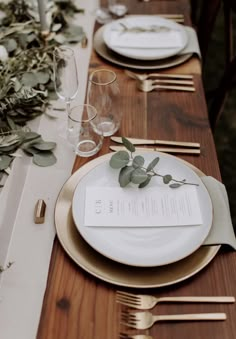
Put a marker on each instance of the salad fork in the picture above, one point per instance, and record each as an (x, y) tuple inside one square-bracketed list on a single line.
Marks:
[(145, 320), (134, 336), (145, 302)]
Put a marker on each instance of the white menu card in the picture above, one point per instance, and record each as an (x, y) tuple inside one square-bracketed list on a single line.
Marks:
[(131, 207)]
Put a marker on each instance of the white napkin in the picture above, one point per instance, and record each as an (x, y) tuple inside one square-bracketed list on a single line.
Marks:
[(222, 231), (159, 39)]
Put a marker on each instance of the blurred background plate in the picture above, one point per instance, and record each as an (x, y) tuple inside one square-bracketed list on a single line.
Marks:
[(111, 56)]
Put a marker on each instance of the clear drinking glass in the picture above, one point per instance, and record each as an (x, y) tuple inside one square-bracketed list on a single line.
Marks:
[(65, 74), (117, 7), (104, 94), (83, 130)]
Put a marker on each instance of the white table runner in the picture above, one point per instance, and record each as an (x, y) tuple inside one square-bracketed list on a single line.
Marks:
[(26, 244)]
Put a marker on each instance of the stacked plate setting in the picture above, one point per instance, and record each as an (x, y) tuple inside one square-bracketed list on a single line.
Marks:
[(142, 41), (138, 256)]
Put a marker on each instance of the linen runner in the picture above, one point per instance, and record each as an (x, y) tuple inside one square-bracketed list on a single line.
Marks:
[(23, 242)]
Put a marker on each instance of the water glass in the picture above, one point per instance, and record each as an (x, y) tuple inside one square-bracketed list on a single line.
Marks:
[(117, 7), (83, 130), (104, 94)]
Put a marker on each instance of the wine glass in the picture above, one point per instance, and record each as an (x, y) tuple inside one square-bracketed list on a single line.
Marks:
[(65, 74)]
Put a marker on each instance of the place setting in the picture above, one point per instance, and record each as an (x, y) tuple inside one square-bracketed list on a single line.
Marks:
[(145, 42), (130, 235)]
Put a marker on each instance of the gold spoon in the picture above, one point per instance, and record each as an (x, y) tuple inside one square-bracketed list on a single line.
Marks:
[(147, 86)]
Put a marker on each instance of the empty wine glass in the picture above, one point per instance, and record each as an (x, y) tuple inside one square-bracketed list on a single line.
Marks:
[(104, 94), (65, 74)]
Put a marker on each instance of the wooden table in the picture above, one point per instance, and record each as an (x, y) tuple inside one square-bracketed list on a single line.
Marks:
[(78, 305)]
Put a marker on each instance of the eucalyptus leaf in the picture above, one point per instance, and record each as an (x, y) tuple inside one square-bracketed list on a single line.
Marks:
[(152, 164), (10, 45), (29, 79), (146, 182), (167, 178), (5, 161), (138, 161), (45, 146), (138, 176), (44, 159), (125, 175), (175, 185), (42, 77), (130, 147), (119, 159)]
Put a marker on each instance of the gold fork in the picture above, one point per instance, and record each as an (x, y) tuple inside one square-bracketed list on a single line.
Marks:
[(134, 336), (145, 302), (145, 76), (145, 320), (168, 81)]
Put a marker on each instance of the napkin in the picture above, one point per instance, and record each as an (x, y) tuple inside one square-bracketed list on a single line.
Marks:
[(192, 44), (156, 38), (222, 231)]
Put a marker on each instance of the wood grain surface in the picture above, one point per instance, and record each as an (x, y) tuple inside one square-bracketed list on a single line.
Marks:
[(80, 306)]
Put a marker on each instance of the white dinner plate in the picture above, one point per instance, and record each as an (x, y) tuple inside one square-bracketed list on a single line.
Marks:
[(145, 52), (143, 246)]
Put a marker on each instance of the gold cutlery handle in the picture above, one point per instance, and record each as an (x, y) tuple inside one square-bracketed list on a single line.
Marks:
[(172, 81), (176, 88), (204, 299), (172, 150), (177, 143), (196, 316), (171, 76)]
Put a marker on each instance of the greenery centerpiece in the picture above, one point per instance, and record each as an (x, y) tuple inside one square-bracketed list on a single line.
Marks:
[(26, 74)]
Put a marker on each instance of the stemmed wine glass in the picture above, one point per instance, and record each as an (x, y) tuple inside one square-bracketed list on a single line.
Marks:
[(65, 74)]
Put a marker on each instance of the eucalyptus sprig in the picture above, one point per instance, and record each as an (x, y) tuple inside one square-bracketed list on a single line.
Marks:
[(132, 169), (140, 29), (2, 269)]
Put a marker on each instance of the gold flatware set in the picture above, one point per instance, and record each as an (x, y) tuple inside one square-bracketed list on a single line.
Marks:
[(162, 81), (145, 319), (170, 146)]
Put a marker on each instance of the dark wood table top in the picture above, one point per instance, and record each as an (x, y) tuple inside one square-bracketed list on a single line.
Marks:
[(79, 306)]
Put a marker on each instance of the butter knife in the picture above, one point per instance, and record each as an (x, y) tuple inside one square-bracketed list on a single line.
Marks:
[(136, 141), (160, 149)]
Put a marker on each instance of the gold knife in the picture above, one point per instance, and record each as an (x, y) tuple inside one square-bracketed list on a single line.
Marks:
[(136, 141), (159, 149)]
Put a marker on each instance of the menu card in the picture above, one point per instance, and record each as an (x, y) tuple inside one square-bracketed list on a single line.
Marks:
[(133, 207)]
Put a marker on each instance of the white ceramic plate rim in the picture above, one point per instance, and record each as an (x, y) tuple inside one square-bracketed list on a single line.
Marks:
[(143, 247), (146, 54)]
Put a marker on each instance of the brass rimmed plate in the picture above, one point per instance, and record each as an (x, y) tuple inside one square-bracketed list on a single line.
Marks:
[(111, 271), (113, 57)]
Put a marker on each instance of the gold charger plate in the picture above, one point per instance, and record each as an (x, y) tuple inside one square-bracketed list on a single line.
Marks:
[(112, 271), (106, 53)]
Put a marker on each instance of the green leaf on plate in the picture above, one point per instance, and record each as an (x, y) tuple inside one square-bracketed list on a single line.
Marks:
[(130, 147), (167, 178), (138, 161), (5, 161), (125, 175), (138, 176), (152, 164), (119, 159)]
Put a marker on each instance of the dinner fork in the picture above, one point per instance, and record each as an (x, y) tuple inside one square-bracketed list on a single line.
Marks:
[(134, 336), (145, 76), (168, 81), (145, 320), (145, 302)]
